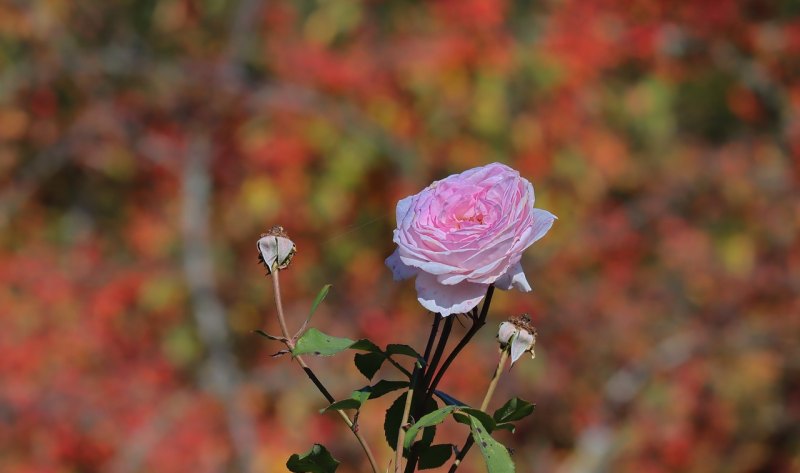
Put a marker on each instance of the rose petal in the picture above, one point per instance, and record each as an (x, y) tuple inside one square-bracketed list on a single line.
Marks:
[(505, 332), (515, 278), (276, 251), (400, 271), (522, 343), (446, 300), (542, 222)]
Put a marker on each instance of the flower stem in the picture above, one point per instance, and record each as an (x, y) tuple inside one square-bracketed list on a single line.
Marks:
[(486, 399), (431, 384), (276, 285), (401, 433), (476, 326), (493, 385)]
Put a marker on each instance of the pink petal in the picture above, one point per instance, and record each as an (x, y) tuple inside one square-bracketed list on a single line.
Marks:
[(400, 271), (515, 278), (446, 300)]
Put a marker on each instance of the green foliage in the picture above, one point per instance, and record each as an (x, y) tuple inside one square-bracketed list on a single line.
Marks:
[(358, 398), (316, 460), (495, 455), (391, 423), (428, 420), (318, 343), (369, 363), (434, 456), (513, 410), (463, 415), (317, 301)]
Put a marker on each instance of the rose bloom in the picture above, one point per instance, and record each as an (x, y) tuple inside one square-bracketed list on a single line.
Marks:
[(465, 232)]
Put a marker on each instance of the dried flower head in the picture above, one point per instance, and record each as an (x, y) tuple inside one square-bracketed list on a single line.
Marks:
[(519, 332), (275, 249)]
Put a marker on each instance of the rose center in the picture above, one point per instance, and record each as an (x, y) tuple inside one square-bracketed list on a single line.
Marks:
[(460, 220)]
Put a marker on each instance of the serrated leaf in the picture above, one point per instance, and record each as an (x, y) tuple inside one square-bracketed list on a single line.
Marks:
[(398, 349), (383, 387), (495, 455), (316, 460), (369, 363), (434, 456), (483, 418), (391, 423), (513, 410), (357, 398), (392, 420), (428, 420), (317, 301), (318, 343)]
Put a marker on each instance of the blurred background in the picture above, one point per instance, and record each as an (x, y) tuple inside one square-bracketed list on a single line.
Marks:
[(145, 145)]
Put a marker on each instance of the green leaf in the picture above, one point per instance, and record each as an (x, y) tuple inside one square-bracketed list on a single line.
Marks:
[(434, 456), (514, 409), (483, 417), (392, 420), (398, 349), (391, 423), (317, 301), (428, 420), (497, 458), (357, 398), (383, 387), (369, 363), (506, 426), (317, 343), (316, 460)]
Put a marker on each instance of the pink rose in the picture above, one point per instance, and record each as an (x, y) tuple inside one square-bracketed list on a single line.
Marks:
[(465, 232)]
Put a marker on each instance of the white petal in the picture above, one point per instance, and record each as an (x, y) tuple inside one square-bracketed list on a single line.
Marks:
[(446, 300), (402, 211), (542, 222), (276, 251), (400, 271), (505, 332), (522, 343), (431, 267), (515, 278)]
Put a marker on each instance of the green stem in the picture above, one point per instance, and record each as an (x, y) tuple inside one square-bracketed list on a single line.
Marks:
[(276, 286), (401, 432)]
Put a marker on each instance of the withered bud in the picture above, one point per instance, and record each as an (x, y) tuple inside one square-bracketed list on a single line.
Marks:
[(275, 249), (519, 332)]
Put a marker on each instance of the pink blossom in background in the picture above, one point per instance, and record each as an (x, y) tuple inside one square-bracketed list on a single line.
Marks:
[(465, 232)]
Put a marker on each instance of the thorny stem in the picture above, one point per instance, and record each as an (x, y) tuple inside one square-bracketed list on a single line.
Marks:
[(486, 399), (276, 285)]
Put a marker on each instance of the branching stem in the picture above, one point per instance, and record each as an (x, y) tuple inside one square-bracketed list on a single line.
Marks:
[(276, 285)]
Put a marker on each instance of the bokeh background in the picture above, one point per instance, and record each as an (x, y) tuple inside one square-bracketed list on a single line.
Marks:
[(145, 145)]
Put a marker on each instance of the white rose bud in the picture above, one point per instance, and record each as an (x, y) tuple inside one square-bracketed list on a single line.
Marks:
[(275, 249), (520, 333)]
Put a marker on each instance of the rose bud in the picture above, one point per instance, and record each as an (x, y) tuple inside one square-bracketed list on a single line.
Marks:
[(275, 249), (519, 332)]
